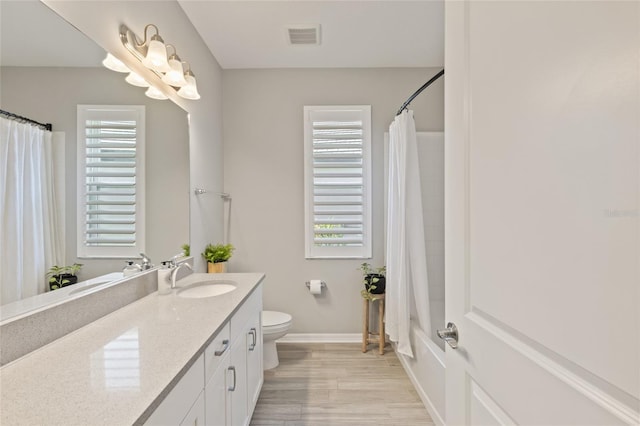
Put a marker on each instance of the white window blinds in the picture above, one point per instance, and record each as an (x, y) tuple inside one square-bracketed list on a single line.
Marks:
[(337, 181), (110, 181)]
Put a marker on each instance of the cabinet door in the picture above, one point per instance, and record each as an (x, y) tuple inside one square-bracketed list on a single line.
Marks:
[(237, 382), (217, 396), (254, 361), (196, 415)]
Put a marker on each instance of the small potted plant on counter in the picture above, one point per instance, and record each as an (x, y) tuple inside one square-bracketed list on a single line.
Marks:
[(62, 276), (217, 256), (374, 280)]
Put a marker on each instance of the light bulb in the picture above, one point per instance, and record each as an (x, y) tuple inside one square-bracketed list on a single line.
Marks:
[(154, 93), (175, 76), (114, 64), (135, 80), (190, 90), (156, 58)]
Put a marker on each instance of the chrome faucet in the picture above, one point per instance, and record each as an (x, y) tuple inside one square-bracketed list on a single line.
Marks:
[(146, 262), (174, 272)]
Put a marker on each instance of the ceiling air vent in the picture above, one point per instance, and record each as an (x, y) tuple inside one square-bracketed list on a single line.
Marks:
[(303, 34)]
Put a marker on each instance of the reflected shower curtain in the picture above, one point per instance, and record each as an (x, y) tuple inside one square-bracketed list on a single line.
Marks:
[(29, 241), (407, 283)]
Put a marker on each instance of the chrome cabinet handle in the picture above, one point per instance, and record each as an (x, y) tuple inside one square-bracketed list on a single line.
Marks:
[(450, 335), (254, 334), (232, 388), (225, 344)]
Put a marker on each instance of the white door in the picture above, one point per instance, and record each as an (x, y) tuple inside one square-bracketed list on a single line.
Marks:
[(542, 204)]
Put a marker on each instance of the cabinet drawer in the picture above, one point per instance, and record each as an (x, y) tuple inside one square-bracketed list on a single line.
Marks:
[(216, 350), (252, 305)]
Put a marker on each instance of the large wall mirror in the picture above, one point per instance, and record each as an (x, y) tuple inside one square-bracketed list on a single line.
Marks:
[(47, 68)]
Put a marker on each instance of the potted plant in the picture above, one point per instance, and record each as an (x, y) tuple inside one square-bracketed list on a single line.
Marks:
[(186, 250), (217, 256), (62, 276), (374, 280)]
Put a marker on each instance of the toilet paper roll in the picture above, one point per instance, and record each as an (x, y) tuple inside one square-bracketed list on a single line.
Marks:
[(315, 286)]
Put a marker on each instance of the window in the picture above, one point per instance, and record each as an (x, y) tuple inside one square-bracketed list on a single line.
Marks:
[(337, 181), (110, 181)]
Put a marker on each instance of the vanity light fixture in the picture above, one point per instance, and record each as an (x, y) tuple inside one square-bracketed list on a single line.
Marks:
[(155, 93), (152, 53), (175, 75), (136, 80), (190, 90), (114, 64), (156, 56)]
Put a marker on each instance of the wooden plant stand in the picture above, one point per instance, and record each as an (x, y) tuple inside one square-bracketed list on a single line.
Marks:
[(367, 336)]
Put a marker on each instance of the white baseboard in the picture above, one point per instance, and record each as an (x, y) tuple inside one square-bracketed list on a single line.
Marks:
[(321, 338)]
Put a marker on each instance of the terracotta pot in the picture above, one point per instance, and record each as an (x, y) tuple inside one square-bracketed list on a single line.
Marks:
[(216, 268)]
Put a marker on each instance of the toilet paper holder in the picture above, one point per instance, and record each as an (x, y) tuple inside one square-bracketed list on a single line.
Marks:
[(322, 284)]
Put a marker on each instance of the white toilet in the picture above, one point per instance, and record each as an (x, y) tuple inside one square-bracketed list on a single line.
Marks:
[(274, 326)]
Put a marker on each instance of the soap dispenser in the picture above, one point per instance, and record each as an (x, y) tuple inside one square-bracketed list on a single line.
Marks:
[(164, 278), (130, 269)]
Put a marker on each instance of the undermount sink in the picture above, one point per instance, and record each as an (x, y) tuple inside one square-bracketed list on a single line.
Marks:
[(207, 289)]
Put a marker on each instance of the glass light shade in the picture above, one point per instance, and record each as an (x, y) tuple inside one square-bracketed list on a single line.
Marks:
[(156, 58), (190, 90), (175, 76), (114, 64), (135, 80), (154, 93)]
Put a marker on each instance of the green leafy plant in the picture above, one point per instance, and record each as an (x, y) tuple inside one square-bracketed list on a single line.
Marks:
[(216, 253), (61, 276), (374, 280), (186, 250)]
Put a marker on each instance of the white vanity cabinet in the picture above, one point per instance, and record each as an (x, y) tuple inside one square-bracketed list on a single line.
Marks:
[(223, 385), (184, 404), (234, 369)]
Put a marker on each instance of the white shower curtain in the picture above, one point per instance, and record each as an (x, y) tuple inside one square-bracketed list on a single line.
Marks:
[(29, 241), (407, 283)]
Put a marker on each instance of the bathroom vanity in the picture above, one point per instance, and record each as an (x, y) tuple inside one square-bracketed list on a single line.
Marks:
[(163, 359)]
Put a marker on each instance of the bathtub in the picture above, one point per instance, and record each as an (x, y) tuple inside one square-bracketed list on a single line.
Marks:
[(427, 372)]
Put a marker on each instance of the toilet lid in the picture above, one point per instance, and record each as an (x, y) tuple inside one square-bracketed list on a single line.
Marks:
[(271, 318)]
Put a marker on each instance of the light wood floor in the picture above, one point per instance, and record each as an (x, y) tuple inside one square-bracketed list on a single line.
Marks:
[(337, 384)]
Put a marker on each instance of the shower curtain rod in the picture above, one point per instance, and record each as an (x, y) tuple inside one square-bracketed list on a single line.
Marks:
[(12, 116), (417, 92)]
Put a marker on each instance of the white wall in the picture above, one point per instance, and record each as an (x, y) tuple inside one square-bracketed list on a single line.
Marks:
[(52, 94), (431, 161), (263, 155), (101, 20)]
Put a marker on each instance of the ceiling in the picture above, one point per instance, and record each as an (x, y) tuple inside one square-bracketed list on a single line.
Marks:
[(252, 34), (31, 35), (354, 34)]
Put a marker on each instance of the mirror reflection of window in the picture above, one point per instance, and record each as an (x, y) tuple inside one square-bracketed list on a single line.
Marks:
[(111, 184), (116, 366)]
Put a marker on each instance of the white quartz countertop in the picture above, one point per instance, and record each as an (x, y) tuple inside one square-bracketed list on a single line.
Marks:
[(115, 370)]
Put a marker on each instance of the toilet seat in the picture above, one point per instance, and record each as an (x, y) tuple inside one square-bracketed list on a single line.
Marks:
[(274, 322)]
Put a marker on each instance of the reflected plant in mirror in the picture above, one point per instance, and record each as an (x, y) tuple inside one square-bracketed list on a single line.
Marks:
[(72, 76), (62, 276)]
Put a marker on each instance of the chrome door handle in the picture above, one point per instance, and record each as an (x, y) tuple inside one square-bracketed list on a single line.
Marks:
[(254, 335), (232, 388), (450, 335), (225, 345)]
